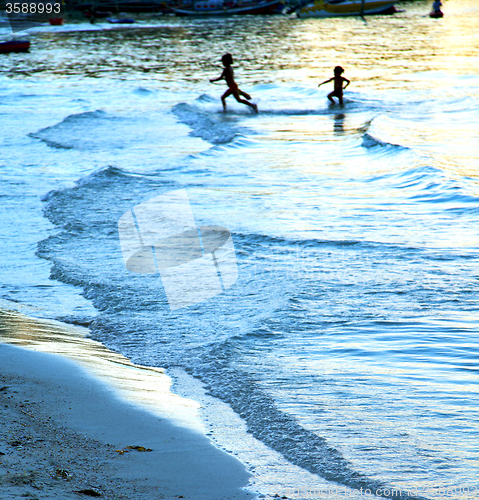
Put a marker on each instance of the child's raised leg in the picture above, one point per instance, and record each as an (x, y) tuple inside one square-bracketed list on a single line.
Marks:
[(242, 101)]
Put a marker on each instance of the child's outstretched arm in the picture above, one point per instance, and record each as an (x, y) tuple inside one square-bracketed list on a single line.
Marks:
[(221, 77), (327, 81)]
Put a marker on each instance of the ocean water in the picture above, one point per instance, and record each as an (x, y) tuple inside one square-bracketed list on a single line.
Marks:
[(345, 358)]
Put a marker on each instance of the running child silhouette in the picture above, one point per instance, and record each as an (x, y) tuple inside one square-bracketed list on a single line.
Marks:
[(228, 76), (338, 85)]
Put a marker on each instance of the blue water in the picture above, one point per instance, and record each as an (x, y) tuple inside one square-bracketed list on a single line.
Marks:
[(349, 343)]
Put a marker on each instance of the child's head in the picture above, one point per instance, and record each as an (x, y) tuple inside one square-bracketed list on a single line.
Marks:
[(227, 60), (338, 70)]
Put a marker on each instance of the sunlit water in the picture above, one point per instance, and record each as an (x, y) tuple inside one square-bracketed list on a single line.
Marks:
[(349, 344)]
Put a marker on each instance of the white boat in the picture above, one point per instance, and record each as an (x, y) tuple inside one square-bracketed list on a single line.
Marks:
[(230, 7), (335, 8)]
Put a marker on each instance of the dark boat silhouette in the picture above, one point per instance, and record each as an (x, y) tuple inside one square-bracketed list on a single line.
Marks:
[(14, 46)]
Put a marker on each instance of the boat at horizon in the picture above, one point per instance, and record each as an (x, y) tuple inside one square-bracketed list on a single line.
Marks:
[(337, 8), (230, 7), (57, 21), (14, 46)]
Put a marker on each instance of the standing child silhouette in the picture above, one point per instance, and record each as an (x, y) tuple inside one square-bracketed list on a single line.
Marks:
[(228, 76), (338, 85)]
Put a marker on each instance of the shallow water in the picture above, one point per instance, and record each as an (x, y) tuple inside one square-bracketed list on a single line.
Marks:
[(349, 342)]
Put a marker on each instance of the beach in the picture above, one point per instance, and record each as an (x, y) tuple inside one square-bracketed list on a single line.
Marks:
[(293, 293), (64, 431)]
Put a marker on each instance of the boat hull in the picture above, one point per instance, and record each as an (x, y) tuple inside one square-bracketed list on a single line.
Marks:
[(124, 20), (255, 9), (346, 8), (14, 46)]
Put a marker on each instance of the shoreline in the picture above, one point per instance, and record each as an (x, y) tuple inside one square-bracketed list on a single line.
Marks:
[(146, 386), (66, 430)]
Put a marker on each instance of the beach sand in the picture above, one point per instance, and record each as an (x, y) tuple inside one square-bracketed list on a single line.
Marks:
[(65, 430)]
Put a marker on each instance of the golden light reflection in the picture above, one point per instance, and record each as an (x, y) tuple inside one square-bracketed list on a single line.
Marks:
[(393, 48), (146, 386)]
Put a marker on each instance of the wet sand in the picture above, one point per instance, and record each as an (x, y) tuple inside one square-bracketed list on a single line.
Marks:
[(68, 431)]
